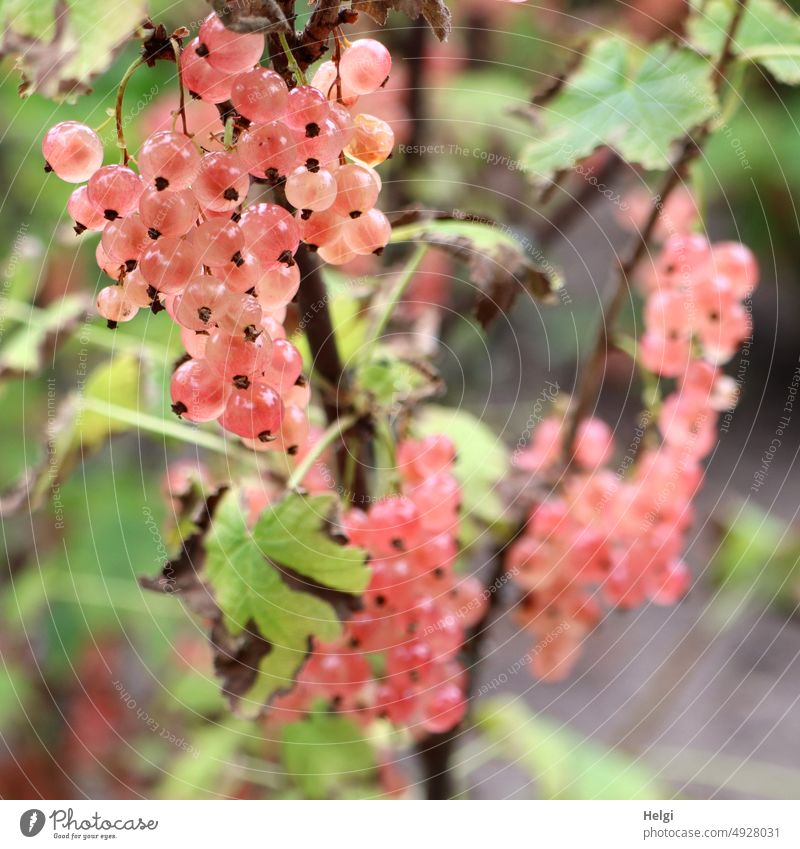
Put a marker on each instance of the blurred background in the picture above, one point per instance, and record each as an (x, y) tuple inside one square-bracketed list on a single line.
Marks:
[(106, 690)]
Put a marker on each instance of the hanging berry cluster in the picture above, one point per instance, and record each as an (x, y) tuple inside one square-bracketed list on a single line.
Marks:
[(616, 535), (180, 233), (398, 657)]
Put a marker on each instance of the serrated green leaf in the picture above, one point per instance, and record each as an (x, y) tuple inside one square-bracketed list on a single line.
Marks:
[(637, 100), (563, 764), (323, 752), (248, 587), (768, 33), (293, 533), (62, 46)]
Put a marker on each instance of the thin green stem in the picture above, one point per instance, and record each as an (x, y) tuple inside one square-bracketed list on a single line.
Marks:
[(392, 300), (103, 124), (227, 138), (93, 334), (123, 84), (329, 436), (162, 427), (296, 69)]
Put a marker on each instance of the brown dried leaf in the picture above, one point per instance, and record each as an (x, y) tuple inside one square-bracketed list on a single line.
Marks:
[(500, 265), (252, 15), (435, 12)]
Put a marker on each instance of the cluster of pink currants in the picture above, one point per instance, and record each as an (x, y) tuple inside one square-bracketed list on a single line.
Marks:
[(398, 656), (695, 303), (180, 235), (616, 536), (305, 136)]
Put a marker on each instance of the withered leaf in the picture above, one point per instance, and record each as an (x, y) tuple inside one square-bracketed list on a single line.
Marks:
[(252, 15), (500, 265), (61, 46), (435, 12)]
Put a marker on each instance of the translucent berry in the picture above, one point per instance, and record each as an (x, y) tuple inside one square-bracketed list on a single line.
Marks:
[(277, 286), (228, 51), (268, 150), (271, 234), (369, 233), (114, 190), (201, 78), (171, 213), (357, 190), (168, 161), (197, 393), (169, 264), (222, 182), (114, 305), (85, 215), (73, 151), (253, 412), (372, 140), (314, 191), (260, 95), (218, 242), (365, 66)]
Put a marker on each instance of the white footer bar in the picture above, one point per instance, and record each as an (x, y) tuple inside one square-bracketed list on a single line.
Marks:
[(400, 825)]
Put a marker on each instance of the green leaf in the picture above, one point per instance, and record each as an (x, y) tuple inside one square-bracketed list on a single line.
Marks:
[(769, 33), (502, 264), (118, 381), (61, 46), (75, 429), (25, 350), (563, 764), (293, 532), (389, 381), (482, 460), (249, 588), (637, 100), (758, 557), (325, 752)]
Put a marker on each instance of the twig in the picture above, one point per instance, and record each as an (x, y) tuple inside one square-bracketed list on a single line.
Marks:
[(313, 305), (435, 750), (176, 47), (692, 146)]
